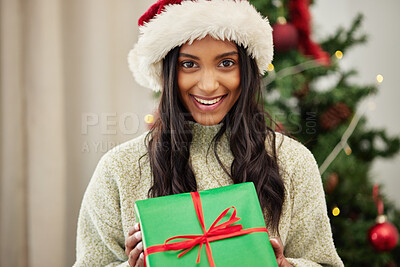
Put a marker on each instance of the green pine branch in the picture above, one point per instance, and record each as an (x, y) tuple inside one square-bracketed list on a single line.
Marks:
[(344, 39)]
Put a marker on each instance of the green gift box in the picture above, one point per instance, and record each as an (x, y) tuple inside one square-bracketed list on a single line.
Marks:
[(217, 227)]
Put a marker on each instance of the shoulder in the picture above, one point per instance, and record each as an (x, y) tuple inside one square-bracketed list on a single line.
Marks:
[(124, 157), (290, 151), (295, 160)]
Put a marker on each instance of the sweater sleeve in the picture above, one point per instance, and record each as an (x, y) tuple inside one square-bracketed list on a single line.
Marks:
[(100, 237), (309, 239)]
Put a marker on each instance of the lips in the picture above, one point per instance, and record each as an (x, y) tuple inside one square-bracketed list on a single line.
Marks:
[(207, 104)]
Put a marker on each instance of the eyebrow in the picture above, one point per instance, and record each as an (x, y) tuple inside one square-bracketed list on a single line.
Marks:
[(217, 57), (227, 54), (188, 55)]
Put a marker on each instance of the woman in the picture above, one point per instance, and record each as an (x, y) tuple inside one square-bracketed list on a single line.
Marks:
[(206, 57)]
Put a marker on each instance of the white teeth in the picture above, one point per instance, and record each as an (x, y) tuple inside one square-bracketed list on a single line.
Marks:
[(208, 102)]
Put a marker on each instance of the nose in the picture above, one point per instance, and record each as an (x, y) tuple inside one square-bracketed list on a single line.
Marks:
[(208, 81)]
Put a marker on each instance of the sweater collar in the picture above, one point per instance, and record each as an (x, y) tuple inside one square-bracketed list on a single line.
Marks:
[(203, 134)]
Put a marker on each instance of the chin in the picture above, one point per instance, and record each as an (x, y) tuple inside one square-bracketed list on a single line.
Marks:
[(208, 122)]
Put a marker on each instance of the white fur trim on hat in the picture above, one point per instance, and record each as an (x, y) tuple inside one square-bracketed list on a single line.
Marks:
[(178, 24)]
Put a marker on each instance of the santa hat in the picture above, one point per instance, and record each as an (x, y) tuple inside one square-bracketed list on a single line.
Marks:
[(171, 23)]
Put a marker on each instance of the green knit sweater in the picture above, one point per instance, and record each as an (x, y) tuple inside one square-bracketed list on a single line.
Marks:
[(107, 210)]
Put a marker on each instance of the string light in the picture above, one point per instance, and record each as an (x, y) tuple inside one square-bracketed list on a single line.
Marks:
[(342, 144), (281, 20), (339, 54), (379, 78), (271, 67), (149, 118), (347, 150), (336, 211), (290, 71)]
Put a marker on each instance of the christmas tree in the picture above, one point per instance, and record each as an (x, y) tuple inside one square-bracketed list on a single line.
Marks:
[(331, 124)]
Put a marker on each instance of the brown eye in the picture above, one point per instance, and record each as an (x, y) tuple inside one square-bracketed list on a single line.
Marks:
[(226, 63), (188, 64)]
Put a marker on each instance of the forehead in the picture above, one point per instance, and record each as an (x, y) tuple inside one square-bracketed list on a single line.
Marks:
[(209, 44)]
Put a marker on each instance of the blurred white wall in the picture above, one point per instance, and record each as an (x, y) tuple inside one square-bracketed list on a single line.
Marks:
[(105, 106), (378, 56)]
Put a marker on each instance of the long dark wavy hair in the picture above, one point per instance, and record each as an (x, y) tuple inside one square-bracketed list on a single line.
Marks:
[(170, 137)]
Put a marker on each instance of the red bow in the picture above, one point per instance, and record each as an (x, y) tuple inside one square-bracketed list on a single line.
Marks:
[(300, 17), (377, 199), (215, 232)]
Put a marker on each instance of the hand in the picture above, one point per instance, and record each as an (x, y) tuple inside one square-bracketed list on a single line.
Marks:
[(278, 249), (134, 247)]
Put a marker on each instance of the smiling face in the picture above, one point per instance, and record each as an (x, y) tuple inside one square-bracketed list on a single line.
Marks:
[(209, 79)]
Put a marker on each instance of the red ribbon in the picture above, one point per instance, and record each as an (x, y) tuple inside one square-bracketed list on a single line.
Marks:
[(215, 232), (377, 199)]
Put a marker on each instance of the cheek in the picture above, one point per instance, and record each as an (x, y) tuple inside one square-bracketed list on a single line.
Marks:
[(234, 84), (184, 83)]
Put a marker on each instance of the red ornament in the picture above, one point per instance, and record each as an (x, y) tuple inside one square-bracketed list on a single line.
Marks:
[(285, 37), (383, 236)]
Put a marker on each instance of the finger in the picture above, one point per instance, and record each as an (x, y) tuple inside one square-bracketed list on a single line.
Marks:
[(132, 241), (134, 254), (129, 245), (140, 262), (276, 240), (276, 245), (134, 229)]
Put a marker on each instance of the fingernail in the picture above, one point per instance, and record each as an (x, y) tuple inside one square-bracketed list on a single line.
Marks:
[(136, 227), (141, 255), (138, 235), (140, 246)]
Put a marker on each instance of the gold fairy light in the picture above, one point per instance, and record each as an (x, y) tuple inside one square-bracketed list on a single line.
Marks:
[(347, 150), (281, 20), (339, 54), (336, 211), (271, 67), (149, 118), (379, 78)]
